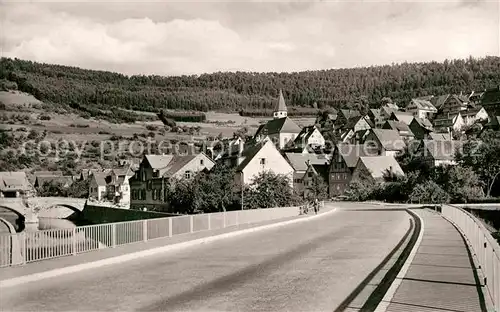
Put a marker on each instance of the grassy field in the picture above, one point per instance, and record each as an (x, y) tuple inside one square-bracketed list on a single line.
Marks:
[(15, 98)]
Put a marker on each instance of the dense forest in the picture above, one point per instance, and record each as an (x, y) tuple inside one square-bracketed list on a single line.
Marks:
[(246, 91)]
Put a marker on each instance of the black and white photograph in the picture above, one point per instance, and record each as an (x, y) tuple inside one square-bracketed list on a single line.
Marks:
[(250, 155)]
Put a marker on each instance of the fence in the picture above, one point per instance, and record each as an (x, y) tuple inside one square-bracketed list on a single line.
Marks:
[(482, 244), (25, 247)]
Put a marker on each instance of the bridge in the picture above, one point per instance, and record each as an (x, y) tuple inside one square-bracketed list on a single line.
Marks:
[(352, 257), (30, 207)]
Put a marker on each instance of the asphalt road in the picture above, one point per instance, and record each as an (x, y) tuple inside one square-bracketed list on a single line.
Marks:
[(310, 266)]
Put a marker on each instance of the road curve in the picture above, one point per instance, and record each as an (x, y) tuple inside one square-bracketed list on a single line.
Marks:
[(311, 266)]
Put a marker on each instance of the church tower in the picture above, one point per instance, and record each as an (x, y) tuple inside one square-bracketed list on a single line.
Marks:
[(280, 111)]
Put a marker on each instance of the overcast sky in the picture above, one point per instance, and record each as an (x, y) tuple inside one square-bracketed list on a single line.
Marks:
[(170, 38)]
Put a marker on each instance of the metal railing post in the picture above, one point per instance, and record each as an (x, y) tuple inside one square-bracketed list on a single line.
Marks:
[(145, 230), (209, 225), (113, 235), (73, 245), (191, 225), (224, 220), (169, 227)]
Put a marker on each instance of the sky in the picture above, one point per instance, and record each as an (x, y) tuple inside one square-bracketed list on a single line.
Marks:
[(193, 37)]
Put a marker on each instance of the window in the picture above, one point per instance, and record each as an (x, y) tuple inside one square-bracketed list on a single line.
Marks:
[(309, 174), (187, 174), (143, 195), (263, 161), (154, 194), (156, 174), (143, 175), (149, 185), (202, 162)]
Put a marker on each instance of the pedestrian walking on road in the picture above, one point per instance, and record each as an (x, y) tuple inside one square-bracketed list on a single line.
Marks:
[(316, 206)]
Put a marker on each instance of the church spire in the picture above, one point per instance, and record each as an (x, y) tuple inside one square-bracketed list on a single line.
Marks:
[(281, 110)]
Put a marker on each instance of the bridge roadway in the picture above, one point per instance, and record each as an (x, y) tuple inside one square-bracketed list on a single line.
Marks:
[(310, 266)]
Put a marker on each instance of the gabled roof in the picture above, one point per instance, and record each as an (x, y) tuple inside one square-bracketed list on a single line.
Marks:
[(491, 96), (169, 165), (305, 134), (299, 161), (158, 161), (14, 181), (100, 178), (375, 112), (280, 125), (421, 103), (250, 151), (439, 136), (442, 150), (402, 116), (424, 123), (281, 106), (390, 139), (321, 170), (438, 101), (387, 110), (349, 113), (378, 166), (62, 180), (351, 152), (402, 128)]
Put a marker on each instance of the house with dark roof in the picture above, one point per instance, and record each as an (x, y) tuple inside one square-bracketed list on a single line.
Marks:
[(15, 184), (447, 122), (386, 141), (375, 117), (385, 113), (344, 115), (300, 163), (473, 115), (63, 181), (420, 128), (353, 126), (402, 128), (439, 152), (309, 136), (377, 169), (491, 101), (421, 108), (281, 130), (150, 183), (452, 103), (260, 157), (314, 171), (342, 164)]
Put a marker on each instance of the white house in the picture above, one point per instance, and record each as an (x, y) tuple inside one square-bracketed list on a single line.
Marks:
[(111, 185), (260, 157), (448, 122), (388, 142), (309, 136), (421, 108)]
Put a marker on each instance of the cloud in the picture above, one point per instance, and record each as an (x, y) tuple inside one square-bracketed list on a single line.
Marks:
[(188, 38)]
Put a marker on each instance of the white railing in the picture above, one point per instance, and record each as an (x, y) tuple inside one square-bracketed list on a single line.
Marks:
[(25, 247), (483, 245)]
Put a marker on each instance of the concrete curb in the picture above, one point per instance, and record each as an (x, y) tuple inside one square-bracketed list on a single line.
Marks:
[(382, 306), (141, 254)]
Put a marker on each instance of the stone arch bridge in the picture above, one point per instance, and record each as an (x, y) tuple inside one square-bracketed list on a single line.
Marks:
[(29, 208)]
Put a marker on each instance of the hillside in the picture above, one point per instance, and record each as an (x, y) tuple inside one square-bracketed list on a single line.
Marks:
[(86, 90)]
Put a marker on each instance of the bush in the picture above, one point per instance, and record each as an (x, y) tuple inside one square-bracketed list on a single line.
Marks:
[(180, 116), (44, 117), (429, 193), (151, 127)]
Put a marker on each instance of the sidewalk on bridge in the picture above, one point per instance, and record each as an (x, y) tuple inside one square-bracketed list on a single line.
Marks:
[(107, 253), (442, 276)]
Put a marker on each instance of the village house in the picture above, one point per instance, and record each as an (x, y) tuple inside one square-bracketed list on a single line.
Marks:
[(281, 129), (150, 183), (15, 184), (376, 118), (491, 101), (386, 142), (438, 152), (448, 122), (422, 108), (377, 169), (420, 128), (111, 185), (451, 103), (299, 163), (344, 115), (402, 128), (314, 171), (342, 164), (309, 137), (63, 181), (261, 157), (473, 115), (385, 113), (355, 127), (475, 97)]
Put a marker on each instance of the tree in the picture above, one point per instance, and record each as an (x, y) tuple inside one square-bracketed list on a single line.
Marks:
[(462, 184), (361, 189), (483, 157), (52, 188), (318, 188), (429, 193), (268, 190), (79, 189)]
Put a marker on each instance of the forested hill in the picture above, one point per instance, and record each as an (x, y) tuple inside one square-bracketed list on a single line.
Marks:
[(241, 90)]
